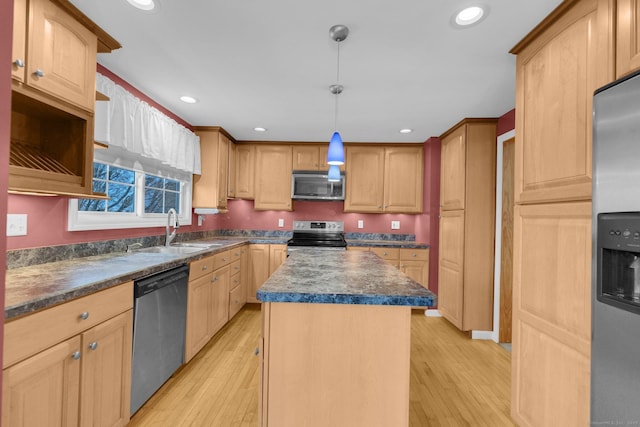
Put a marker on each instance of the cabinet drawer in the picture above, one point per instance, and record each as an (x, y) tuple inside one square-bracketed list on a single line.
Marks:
[(200, 267), (236, 253), (237, 299), (234, 281), (234, 268), (387, 253), (414, 254), (221, 259), (28, 335)]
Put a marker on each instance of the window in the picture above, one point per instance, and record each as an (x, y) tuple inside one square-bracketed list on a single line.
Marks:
[(140, 193)]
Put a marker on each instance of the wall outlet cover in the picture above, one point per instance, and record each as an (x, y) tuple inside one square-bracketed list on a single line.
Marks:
[(280, 222), (360, 223), (16, 224), (395, 225)]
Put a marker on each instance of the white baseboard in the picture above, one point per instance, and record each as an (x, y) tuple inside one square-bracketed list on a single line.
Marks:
[(432, 313), (482, 335)]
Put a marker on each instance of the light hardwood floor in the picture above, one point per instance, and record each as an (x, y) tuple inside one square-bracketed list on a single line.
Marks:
[(455, 381)]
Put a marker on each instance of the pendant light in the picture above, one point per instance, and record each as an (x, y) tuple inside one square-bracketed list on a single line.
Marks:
[(335, 154), (334, 173)]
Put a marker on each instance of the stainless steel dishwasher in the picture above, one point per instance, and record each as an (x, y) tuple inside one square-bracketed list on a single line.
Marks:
[(159, 329)]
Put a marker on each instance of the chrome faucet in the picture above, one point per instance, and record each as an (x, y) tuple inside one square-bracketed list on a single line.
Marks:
[(176, 225)]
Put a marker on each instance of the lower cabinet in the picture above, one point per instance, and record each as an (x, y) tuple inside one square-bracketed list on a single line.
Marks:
[(70, 365), (263, 260), (412, 262), (207, 301)]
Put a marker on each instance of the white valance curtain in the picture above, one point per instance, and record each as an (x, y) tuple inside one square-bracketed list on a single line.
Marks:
[(130, 123)]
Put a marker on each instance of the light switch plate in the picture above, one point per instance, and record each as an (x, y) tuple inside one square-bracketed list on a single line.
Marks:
[(395, 225), (16, 224), (280, 222), (360, 223)]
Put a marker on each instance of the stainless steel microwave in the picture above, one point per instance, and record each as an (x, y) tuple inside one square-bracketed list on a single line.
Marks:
[(312, 185)]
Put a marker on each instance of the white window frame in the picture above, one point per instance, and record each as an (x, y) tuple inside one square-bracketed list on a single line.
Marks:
[(84, 221)]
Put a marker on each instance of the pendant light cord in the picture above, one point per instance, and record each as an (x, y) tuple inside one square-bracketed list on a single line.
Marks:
[(335, 119)]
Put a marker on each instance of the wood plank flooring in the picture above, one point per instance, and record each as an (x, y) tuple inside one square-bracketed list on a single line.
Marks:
[(455, 381)]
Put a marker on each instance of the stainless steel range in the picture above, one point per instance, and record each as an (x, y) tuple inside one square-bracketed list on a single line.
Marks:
[(327, 235)]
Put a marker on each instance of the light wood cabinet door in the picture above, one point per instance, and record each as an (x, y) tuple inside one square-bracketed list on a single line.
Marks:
[(403, 176), (44, 390), (415, 264), (451, 266), (365, 179), (453, 170), (64, 51), (551, 314), (307, 158), (198, 315), (273, 178), (554, 92), (231, 174), (210, 187), (105, 395), (219, 299), (258, 269), (627, 37), (277, 255), (245, 171), (19, 49)]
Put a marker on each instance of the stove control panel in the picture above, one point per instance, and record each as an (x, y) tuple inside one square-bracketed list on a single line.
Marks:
[(319, 226)]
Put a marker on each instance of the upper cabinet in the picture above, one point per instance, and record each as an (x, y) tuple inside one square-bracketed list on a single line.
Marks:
[(231, 184), (211, 186), (53, 97), (245, 171), (311, 157), (384, 179), (273, 177), (453, 170), (627, 37), (554, 92)]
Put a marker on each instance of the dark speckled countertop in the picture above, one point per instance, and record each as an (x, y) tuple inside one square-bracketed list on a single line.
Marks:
[(33, 288), (409, 244), (342, 277)]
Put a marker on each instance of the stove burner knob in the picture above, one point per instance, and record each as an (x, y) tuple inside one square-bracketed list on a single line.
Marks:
[(626, 233)]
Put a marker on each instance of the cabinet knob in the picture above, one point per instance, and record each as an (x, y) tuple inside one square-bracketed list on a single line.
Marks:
[(39, 73), (85, 315), (379, 206), (256, 351), (93, 345), (384, 253), (214, 279), (204, 268), (19, 63), (224, 260), (75, 355), (413, 254)]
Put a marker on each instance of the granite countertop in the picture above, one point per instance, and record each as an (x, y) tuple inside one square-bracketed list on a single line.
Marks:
[(408, 244), (29, 289), (342, 277)]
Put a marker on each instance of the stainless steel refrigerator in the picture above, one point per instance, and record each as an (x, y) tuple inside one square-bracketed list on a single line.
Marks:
[(615, 356)]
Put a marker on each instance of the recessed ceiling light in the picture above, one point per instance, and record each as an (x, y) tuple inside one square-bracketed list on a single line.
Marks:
[(142, 4), (406, 130), (470, 15), (260, 129), (188, 99)]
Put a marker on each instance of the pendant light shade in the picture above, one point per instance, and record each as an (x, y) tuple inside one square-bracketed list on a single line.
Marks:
[(334, 173), (335, 155)]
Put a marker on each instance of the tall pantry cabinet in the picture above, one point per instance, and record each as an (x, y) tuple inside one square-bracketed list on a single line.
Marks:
[(559, 65), (467, 221)]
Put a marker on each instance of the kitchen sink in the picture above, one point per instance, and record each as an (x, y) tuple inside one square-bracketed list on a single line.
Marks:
[(173, 249)]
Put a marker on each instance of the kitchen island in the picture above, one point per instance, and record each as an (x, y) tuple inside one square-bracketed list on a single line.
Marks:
[(336, 335)]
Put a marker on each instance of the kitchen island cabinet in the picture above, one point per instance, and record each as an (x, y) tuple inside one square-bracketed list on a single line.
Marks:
[(70, 365), (336, 341)]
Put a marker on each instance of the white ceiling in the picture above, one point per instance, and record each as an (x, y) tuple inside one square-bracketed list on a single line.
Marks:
[(270, 62)]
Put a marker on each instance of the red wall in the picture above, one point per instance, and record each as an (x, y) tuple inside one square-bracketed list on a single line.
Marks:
[(507, 122), (6, 34)]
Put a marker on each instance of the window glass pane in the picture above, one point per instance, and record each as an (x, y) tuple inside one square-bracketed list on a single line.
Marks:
[(153, 181), (153, 201), (122, 198), (100, 170), (121, 175), (172, 200), (99, 186), (92, 205), (170, 184)]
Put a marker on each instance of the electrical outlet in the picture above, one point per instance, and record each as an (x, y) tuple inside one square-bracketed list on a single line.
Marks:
[(360, 223), (16, 224), (395, 225), (280, 222)]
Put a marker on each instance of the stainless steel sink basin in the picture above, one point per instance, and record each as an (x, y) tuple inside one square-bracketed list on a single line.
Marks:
[(173, 249), (197, 245)]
